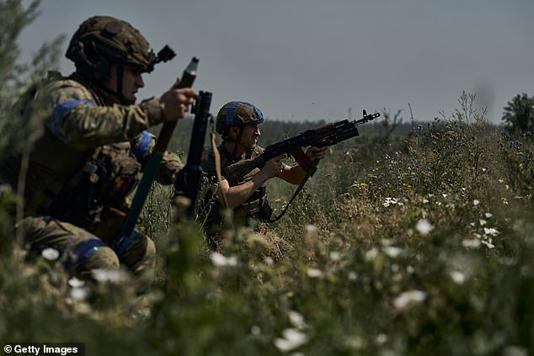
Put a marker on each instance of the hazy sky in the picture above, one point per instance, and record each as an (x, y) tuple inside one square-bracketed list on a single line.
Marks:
[(313, 59)]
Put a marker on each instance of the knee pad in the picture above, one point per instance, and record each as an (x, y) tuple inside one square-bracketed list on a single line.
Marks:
[(90, 255)]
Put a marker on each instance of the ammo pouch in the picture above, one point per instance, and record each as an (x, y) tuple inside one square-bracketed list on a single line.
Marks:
[(257, 206), (98, 194)]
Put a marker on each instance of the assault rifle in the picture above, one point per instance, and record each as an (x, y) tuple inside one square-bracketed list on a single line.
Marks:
[(323, 136), (187, 182)]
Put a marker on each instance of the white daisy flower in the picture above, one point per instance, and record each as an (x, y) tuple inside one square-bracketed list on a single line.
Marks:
[(50, 254), (457, 277), (424, 227), (314, 273), (292, 338), (222, 261), (409, 298)]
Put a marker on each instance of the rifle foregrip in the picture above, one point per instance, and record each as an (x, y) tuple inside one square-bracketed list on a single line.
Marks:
[(234, 173)]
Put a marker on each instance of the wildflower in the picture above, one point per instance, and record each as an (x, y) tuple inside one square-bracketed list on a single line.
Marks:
[(355, 185), (50, 254), (371, 254), (381, 339), (392, 251), (255, 330), (410, 269), (515, 351), (482, 222), (425, 201), (355, 342), (314, 273), (476, 202), (76, 283), (471, 243), (491, 231), (409, 298), (335, 256), (488, 243), (444, 195), (457, 277), (424, 227), (390, 201), (268, 261), (407, 185), (385, 242), (221, 261), (296, 319), (488, 215), (79, 294), (310, 229), (353, 276), (109, 275), (292, 338)]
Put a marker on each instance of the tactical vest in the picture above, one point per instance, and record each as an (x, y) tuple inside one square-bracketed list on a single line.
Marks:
[(91, 189), (98, 197)]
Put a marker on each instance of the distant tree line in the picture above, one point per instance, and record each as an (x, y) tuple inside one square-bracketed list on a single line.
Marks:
[(519, 114)]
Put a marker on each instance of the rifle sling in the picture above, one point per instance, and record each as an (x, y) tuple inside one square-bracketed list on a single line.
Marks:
[(301, 158), (310, 173)]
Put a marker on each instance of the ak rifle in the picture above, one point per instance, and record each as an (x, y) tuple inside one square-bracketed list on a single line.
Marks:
[(327, 135)]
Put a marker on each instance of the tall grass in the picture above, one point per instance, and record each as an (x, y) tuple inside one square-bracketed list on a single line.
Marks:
[(412, 245)]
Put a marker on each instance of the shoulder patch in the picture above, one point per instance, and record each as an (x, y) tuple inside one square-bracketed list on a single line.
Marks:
[(143, 146), (61, 109)]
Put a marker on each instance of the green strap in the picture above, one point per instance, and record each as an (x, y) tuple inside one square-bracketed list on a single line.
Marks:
[(151, 170)]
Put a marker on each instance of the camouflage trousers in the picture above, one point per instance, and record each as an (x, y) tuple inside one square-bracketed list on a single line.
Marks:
[(82, 252)]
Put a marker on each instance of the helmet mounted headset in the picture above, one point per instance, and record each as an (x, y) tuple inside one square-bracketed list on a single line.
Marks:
[(101, 41)]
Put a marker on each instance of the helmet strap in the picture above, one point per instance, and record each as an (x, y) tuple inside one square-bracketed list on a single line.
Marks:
[(237, 141), (119, 93), (228, 139)]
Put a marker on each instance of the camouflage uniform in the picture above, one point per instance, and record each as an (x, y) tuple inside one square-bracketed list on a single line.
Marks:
[(82, 128)]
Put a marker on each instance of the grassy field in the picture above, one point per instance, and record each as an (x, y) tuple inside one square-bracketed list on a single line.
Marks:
[(416, 244)]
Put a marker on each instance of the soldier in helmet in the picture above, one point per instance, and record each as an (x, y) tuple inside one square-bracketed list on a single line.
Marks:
[(238, 124), (84, 168)]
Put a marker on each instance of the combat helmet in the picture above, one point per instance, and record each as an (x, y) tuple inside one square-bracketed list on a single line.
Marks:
[(237, 113), (103, 40)]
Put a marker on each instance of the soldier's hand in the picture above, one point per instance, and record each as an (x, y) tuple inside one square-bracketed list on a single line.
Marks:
[(315, 154), (273, 167), (177, 102)]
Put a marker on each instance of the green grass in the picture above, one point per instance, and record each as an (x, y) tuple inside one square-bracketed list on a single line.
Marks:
[(347, 269)]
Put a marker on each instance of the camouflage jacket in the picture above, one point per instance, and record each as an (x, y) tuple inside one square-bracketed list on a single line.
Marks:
[(77, 123), (256, 207)]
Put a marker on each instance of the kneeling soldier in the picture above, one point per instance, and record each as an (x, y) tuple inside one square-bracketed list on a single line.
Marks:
[(83, 170)]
